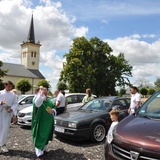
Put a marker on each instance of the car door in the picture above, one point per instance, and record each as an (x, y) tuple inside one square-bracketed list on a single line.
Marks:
[(25, 102)]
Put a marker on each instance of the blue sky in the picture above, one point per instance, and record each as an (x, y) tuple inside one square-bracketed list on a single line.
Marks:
[(128, 26)]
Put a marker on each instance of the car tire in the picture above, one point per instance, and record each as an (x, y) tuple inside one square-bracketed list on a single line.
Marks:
[(98, 133)]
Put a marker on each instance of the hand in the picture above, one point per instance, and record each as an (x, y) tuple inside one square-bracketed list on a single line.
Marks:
[(9, 110), (14, 119), (129, 110), (50, 111), (3, 102)]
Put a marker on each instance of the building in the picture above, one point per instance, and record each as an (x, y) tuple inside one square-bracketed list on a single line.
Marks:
[(29, 67)]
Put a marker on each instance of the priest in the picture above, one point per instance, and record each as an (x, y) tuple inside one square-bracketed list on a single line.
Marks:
[(42, 121)]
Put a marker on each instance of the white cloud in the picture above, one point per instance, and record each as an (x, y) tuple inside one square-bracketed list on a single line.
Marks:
[(82, 31), (144, 57)]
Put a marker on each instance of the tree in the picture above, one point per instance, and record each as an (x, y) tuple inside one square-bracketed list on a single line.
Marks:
[(122, 91), (151, 91), (157, 83), (143, 91), (89, 64), (44, 83), (2, 74), (61, 85), (23, 85)]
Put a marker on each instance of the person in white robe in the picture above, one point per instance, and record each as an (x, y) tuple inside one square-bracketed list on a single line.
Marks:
[(8, 107)]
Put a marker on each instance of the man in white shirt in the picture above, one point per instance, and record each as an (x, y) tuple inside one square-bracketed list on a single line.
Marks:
[(8, 107), (135, 100), (60, 103)]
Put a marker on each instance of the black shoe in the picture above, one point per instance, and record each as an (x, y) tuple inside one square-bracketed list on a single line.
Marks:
[(45, 152), (41, 157)]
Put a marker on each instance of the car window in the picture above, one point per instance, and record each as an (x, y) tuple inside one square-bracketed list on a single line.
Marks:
[(72, 99), (152, 107), (29, 100), (80, 98), (122, 103)]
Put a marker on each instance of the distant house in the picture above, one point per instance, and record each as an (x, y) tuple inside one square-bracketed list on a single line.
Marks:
[(29, 67)]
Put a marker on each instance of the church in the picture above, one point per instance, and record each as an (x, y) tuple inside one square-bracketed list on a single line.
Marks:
[(29, 67)]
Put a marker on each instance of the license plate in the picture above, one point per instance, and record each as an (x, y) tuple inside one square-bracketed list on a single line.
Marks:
[(59, 129), (20, 120)]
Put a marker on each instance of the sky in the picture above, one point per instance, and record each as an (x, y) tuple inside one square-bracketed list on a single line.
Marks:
[(131, 27)]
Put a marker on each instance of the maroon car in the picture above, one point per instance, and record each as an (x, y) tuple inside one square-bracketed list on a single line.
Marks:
[(137, 137)]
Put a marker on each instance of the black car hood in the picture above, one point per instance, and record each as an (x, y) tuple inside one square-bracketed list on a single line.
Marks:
[(79, 115), (139, 131)]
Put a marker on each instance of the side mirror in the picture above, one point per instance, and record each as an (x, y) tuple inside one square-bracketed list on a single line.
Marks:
[(116, 107), (22, 103)]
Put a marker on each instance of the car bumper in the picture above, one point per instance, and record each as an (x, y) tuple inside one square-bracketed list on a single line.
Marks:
[(24, 121), (109, 153), (77, 134)]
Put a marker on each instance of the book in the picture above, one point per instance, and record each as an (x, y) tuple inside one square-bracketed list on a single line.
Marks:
[(5, 106)]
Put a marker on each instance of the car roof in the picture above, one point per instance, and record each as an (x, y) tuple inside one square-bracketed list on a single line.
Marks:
[(109, 97)]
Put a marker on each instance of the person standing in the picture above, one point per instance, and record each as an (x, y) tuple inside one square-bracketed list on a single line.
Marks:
[(135, 100), (8, 107), (42, 122), (88, 97), (114, 115), (60, 103)]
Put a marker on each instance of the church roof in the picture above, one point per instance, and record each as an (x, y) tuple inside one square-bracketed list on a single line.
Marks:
[(31, 37), (19, 70)]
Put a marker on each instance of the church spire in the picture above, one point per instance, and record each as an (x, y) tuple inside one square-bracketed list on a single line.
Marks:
[(31, 37)]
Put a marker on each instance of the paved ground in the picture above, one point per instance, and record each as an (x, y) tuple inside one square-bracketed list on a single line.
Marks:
[(21, 148)]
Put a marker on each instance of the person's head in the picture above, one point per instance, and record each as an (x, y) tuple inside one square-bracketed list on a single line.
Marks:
[(36, 90), (14, 91), (63, 92), (56, 93), (88, 91), (8, 85), (43, 89), (114, 114), (134, 90)]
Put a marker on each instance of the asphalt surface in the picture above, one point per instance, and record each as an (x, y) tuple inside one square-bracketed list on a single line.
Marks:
[(21, 147)]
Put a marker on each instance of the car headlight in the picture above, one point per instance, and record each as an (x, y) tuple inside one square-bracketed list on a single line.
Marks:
[(55, 121), (72, 125), (29, 114)]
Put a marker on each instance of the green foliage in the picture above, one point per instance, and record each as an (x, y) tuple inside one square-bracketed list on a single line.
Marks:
[(44, 83), (1, 85), (89, 64), (61, 86), (143, 91), (157, 83), (151, 91), (2, 72), (122, 91), (23, 85)]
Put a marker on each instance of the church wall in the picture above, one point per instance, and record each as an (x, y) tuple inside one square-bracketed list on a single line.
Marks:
[(14, 80)]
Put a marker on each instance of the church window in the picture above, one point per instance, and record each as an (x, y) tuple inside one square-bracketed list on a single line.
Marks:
[(34, 54), (24, 54), (31, 54)]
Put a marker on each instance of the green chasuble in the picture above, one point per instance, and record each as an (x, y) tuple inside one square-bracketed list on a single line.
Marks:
[(42, 124)]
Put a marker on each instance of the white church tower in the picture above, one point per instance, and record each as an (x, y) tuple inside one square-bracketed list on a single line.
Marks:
[(30, 51)]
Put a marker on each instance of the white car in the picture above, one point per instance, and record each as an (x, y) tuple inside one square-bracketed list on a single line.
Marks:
[(74, 102), (25, 101)]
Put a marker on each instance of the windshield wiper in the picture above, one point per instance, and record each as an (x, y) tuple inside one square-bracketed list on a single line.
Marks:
[(145, 116)]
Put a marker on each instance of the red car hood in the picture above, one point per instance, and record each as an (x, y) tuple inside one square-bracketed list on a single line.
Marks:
[(139, 132)]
